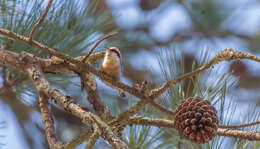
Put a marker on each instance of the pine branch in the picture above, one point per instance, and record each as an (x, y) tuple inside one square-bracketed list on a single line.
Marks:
[(42, 84)]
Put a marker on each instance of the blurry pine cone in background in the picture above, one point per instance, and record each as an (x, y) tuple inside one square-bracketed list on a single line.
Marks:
[(196, 120)]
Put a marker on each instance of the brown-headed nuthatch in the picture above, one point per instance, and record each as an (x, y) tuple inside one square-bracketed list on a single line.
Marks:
[(112, 66)]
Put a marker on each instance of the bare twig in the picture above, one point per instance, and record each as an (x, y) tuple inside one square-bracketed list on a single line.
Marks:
[(96, 44), (38, 23), (239, 125), (48, 122)]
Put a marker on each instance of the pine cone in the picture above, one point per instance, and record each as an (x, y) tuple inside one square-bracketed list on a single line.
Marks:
[(196, 120)]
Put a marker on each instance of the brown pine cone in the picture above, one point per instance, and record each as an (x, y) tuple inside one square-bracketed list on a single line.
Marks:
[(196, 120)]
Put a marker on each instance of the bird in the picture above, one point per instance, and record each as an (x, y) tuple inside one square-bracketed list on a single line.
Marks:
[(112, 66)]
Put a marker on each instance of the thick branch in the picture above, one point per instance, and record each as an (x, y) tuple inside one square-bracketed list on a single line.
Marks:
[(242, 134), (48, 122), (37, 25), (89, 83)]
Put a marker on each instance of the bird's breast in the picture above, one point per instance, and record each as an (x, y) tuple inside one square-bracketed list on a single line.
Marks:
[(111, 67)]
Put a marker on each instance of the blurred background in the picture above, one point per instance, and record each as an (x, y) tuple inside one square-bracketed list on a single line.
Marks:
[(158, 39)]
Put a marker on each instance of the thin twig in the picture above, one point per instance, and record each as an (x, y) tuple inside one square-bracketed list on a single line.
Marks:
[(239, 125), (38, 23), (96, 44)]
